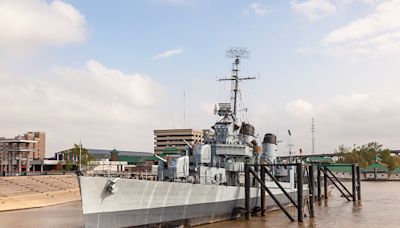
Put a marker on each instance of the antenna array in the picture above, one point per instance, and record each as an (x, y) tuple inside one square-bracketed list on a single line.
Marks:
[(237, 53)]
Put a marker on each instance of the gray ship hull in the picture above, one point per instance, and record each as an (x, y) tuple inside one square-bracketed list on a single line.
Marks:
[(151, 203)]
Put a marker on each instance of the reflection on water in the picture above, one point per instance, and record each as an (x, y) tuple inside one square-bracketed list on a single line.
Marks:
[(68, 215), (378, 208)]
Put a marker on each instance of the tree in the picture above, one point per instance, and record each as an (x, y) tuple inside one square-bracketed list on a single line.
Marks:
[(68, 165), (86, 157), (388, 159), (342, 149), (368, 154)]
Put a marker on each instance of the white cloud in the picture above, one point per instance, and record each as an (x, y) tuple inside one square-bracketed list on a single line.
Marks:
[(369, 2), (104, 106), (377, 33), (314, 9), (168, 53), (355, 118), (33, 23), (259, 9), (300, 108), (96, 80)]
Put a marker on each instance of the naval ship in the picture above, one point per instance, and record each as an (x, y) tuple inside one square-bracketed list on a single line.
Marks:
[(204, 184)]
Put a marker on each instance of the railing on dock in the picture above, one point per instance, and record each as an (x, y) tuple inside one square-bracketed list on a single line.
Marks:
[(259, 171), (261, 180), (354, 195)]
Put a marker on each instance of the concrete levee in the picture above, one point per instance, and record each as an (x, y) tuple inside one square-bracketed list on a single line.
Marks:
[(37, 191)]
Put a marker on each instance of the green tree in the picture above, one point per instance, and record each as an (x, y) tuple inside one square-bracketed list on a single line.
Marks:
[(68, 165), (367, 154), (388, 159), (86, 157)]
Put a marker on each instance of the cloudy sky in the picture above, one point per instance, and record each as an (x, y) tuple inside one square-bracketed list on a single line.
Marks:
[(109, 72)]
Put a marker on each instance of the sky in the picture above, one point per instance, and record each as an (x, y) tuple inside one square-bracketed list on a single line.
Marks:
[(110, 72)]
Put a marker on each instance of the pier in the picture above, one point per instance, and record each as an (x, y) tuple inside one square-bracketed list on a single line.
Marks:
[(316, 176)]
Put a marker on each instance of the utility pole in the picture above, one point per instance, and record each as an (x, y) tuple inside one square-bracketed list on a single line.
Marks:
[(313, 136)]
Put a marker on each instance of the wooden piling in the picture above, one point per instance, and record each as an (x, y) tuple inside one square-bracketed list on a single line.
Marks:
[(318, 182), (325, 183), (262, 173), (299, 171), (358, 171), (353, 181), (312, 189), (247, 190)]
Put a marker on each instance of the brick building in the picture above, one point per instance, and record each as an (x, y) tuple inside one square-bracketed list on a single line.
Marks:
[(16, 154)]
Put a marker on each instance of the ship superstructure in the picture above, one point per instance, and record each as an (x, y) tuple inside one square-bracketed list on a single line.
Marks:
[(203, 184), (221, 159)]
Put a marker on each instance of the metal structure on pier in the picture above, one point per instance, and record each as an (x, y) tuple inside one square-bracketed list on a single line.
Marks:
[(305, 173)]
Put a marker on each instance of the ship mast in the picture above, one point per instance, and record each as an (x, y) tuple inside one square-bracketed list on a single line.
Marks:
[(237, 53)]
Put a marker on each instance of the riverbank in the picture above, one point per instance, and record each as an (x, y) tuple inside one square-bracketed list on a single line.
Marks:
[(18, 193)]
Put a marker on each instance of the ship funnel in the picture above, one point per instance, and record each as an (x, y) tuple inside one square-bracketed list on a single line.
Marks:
[(269, 147)]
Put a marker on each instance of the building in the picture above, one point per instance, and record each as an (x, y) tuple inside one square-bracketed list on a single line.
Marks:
[(376, 171), (175, 138), (395, 174), (109, 161), (106, 166), (17, 154), (101, 154), (40, 138), (342, 171)]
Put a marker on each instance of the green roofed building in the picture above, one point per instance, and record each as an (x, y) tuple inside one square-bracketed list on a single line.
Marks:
[(396, 170), (341, 170), (339, 167), (319, 159), (395, 174), (148, 158), (376, 167), (171, 150), (376, 171), (131, 157)]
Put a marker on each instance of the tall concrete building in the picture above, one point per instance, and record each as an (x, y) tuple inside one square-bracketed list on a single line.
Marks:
[(174, 138), (16, 154), (40, 138)]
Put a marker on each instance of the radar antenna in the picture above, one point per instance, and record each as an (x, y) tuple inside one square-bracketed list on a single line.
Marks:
[(237, 53)]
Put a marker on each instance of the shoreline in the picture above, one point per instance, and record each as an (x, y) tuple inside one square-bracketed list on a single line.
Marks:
[(19, 193), (29, 201)]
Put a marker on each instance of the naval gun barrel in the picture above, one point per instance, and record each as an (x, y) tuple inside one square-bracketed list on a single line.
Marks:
[(160, 158)]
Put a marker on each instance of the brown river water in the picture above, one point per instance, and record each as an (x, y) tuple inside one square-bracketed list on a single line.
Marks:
[(380, 207)]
